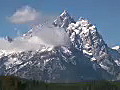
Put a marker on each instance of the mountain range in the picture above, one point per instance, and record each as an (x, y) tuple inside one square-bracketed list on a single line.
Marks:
[(87, 57)]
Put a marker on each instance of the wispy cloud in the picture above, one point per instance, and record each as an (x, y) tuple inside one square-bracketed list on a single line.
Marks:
[(45, 36), (24, 15)]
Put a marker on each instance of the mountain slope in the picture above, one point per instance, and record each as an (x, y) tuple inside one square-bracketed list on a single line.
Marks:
[(60, 64)]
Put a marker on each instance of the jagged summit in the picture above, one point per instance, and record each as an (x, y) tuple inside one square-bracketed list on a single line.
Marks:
[(85, 36), (63, 20), (65, 14)]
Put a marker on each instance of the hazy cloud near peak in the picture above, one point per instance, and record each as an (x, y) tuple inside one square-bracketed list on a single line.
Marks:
[(44, 36), (24, 15)]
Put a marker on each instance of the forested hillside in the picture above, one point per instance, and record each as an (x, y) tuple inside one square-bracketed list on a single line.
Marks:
[(15, 83)]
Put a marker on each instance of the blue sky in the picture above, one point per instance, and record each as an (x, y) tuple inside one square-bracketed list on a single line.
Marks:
[(105, 14)]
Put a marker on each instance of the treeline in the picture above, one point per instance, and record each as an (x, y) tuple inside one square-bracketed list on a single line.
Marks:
[(15, 83)]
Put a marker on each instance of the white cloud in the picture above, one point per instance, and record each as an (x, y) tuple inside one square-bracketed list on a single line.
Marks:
[(20, 44), (50, 35), (24, 15), (45, 36)]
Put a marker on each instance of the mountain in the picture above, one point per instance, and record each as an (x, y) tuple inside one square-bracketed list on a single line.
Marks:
[(63, 20), (87, 57), (85, 37)]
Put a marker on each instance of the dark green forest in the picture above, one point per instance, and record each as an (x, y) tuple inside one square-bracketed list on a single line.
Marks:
[(15, 83)]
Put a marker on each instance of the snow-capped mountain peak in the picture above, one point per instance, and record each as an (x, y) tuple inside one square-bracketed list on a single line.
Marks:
[(65, 14), (85, 35), (63, 20), (86, 58)]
